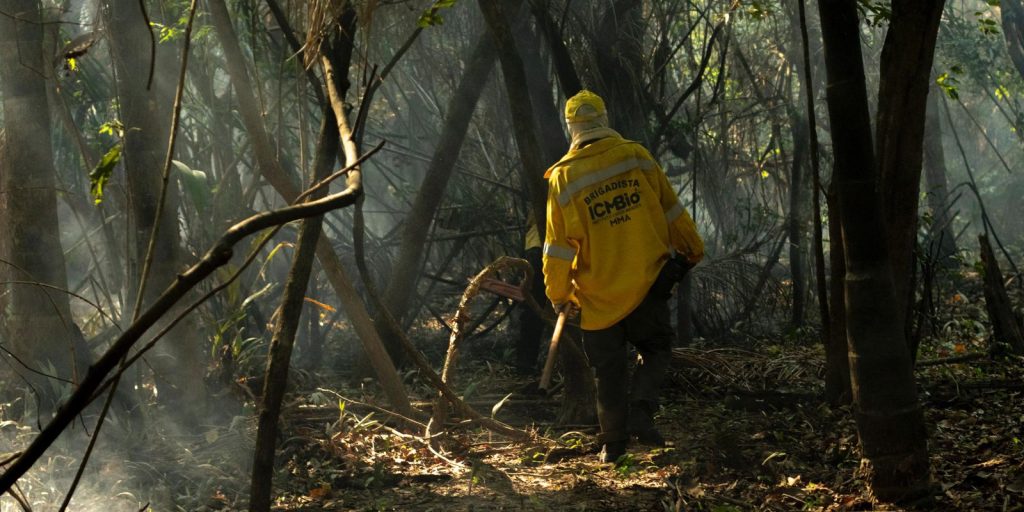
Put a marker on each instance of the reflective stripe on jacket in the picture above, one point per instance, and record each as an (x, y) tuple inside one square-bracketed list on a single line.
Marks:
[(613, 219)]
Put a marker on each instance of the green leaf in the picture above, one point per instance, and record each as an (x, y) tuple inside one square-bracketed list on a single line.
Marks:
[(195, 185), (99, 176), (431, 17)]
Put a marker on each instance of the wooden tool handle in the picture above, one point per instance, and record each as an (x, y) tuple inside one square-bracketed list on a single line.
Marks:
[(549, 364)]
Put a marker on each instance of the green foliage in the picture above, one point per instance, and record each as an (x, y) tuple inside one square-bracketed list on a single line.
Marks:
[(432, 16), (195, 185), (987, 25), (874, 12), (99, 176), (759, 10), (948, 82)]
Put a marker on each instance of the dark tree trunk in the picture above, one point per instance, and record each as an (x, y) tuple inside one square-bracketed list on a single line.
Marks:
[(618, 54), (146, 113), (1012, 13), (837, 369), (902, 101), (837, 360), (1006, 327), (795, 222), (36, 320), (279, 358), (564, 67), (417, 225), (942, 248), (579, 386), (890, 422), (497, 15), (579, 399)]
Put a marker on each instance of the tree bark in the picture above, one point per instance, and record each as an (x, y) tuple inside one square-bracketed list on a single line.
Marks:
[(905, 69), (837, 361), (146, 113), (275, 174), (524, 126), (36, 320), (890, 422), (564, 67), (618, 52), (1006, 327), (1012, 17), (279, 357), (416, 229)]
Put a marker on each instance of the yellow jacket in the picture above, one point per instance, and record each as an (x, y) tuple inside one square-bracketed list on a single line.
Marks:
[(613, 219)]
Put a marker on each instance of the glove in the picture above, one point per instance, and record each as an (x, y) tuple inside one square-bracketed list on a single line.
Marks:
[(571, 309), (672, 272)]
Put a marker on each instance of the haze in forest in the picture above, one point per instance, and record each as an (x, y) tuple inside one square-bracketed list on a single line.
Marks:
[(307, 345)]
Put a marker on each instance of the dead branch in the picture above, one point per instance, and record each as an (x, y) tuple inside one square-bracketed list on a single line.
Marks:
[(216, 257), (458, 329), (952, 360)]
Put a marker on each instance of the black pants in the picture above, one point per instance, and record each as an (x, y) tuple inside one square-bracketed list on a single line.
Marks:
[(531, 327), (648, 329)]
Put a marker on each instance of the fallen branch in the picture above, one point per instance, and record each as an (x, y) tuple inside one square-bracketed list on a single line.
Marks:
[(218, 256), (458, 331), (952, 360), (405, 419)]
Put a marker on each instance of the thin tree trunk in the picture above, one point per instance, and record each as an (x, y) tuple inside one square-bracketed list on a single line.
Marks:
[(497, 15), (833, 327), (279, 358), (416, 227), (564, 67), (890, 422), (943, 242), (271, 169), (794, 222), (1006, 327), (837, 361)]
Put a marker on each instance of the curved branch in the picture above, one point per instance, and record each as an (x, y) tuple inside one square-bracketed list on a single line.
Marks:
[(218, 256)]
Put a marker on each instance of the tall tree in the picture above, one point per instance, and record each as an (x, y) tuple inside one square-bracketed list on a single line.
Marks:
[(145, 93), (890, 421), (905, 72), (415, 230), (942, 240), (37, 316)]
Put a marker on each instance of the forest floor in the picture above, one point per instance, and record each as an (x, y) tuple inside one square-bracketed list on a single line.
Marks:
[(747, 432), (747, 428)]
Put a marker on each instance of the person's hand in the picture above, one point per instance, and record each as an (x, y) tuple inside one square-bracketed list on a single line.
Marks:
[(570, 308)]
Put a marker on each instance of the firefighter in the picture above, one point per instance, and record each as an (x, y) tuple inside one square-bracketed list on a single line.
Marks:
[(617, 239)]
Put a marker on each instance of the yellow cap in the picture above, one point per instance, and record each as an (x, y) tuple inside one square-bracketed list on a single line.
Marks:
[(575, 111)]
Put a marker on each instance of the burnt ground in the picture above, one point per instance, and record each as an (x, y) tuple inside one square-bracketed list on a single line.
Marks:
[(747, 428)]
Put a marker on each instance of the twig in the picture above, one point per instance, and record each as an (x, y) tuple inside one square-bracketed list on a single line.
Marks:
[(9, 458), (374, 408), (18, 497)]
